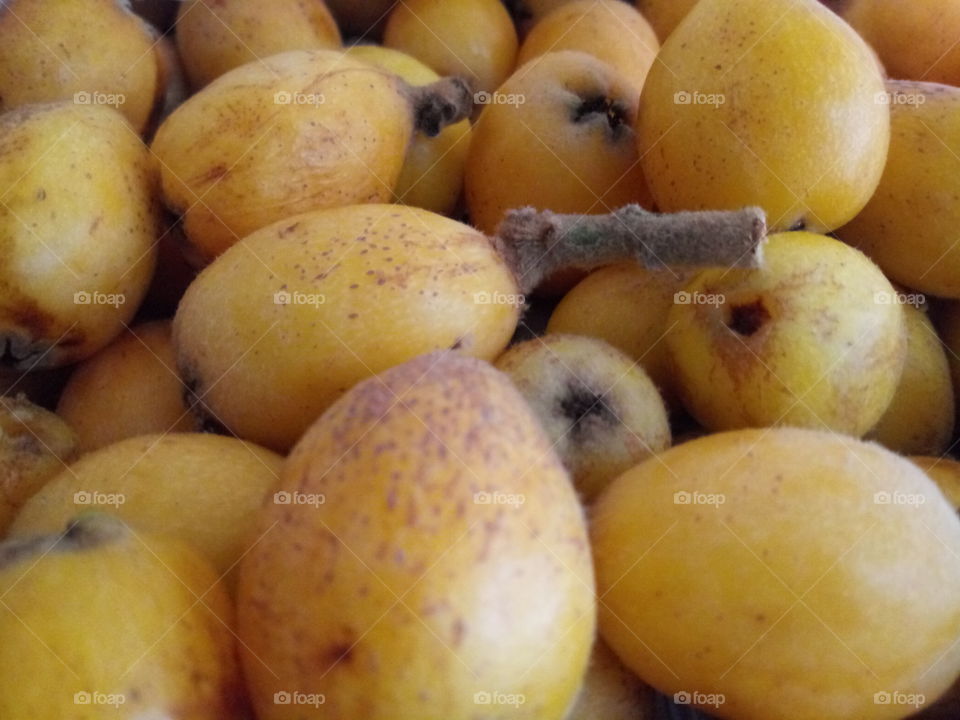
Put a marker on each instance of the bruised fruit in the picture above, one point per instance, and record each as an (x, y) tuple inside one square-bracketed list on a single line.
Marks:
[(285, 322), (473, 39), (609, 30), (449, 544), (79, 223), (214, 37), (781, 573), (99, 621), (765, 102), (920, 418), (565, 116), (599, 408), (201, 489), (299, 131), (432, 174), (627, 305), (814, 339), (911, 226), (89, 52), (129, 388), (35, 445)]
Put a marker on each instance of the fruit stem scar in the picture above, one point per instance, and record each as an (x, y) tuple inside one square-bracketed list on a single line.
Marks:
[(537, 244), (437, 105), (86, 531)]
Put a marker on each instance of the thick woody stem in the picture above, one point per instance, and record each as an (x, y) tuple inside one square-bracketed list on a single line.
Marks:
[(538, 244), (437, 105)]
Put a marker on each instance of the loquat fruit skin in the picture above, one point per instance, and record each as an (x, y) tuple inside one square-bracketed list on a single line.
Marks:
[(284, 323), (449, 499)]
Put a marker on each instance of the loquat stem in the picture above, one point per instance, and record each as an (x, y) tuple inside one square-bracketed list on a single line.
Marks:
[(437, 105), (538, 244)]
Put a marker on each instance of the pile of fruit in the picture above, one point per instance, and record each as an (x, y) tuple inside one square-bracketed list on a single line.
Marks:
[(479, 360)]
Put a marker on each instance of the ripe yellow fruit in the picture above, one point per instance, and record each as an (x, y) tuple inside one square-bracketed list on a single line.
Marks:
[(813, 339), (449, 544), (565, 116), (201, 489), (920, 418), (627, 305), (285, 322), (432, 174), (215, 37), (611, 691), (129, 388), (79, 222), (300, 131), (910, 226), (474, 39), (600, 410), (100, 621), (664, 15), (610, 30), (944, 472), (765, 102), (916, 40), (90, 52), (786, 573), (35, 445)]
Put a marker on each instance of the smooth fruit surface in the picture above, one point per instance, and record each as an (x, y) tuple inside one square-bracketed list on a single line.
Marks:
[(910, 226), (599, 408), (814, 338), (100, 622), (200, 489), (768, 575), (78, 223), (287, 321), (565, 116), (300, 131), (215, 37), (609, 30), (474, 39), (432, 174), (626, 305), (129, 388), (89, 52), (765, 102), (920, 418), (478, 563)]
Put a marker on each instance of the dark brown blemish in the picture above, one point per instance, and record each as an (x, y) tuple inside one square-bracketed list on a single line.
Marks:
[(747, 318)]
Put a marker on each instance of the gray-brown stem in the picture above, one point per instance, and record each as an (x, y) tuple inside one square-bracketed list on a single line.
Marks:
[(538, 244), (86, 531), (437, 105)]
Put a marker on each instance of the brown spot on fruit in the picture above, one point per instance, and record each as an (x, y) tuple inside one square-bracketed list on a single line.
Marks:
[(747, 318)]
